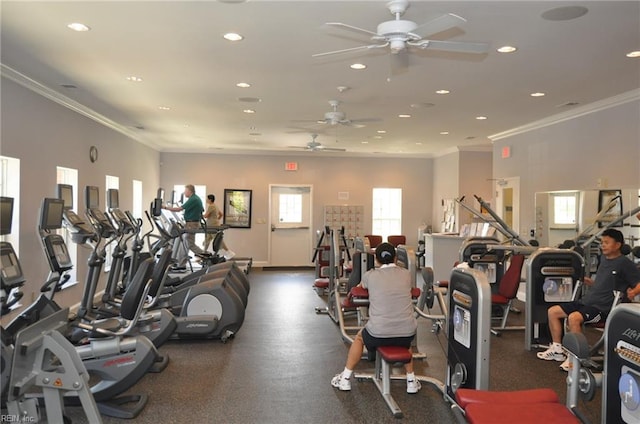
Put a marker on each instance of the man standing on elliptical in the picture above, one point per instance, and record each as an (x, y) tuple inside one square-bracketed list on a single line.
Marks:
[(615, 272), (192, 214)]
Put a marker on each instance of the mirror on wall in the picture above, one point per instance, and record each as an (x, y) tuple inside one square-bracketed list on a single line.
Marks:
[(562, 215)]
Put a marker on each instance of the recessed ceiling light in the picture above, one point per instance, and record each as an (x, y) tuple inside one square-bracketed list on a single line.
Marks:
[(364, 142), (377, 137), (634, 54), (418, 144), (507, 49), (481, 118), (134, 79), (443, 92), (358, 66), (444, 132), (164, 108), (381, 132), (537, 94), (255, 134), (76, 26), (404, 115), (249, 111), (232, 36), (243, 85), (249, 99)]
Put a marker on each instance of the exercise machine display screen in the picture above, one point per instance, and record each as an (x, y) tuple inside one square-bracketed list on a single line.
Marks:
[(11, 270), (6, 215), (92, 197), (462, 318), (558, 289), (65, 192), (489, 269), (51, 214), (113, 199)]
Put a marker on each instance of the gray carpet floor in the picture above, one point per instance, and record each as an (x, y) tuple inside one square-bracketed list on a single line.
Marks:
[(278, 367)]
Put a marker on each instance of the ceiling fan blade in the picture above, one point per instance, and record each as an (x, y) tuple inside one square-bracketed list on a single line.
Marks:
[(453, 46), (352, 49), (351, 28), (439, 24), (330, 149), (365, 120)]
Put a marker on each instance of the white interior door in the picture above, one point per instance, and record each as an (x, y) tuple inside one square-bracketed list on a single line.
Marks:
[(290, 240), (508, 202)]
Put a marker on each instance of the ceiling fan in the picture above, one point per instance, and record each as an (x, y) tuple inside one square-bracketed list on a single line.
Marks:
[(315, 146), (336, 117), (399, 35)]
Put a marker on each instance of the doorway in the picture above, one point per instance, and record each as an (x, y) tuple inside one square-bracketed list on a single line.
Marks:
[(508, 201), (290, 235)]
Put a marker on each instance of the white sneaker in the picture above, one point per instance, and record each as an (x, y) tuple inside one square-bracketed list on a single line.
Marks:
[(229, 254), (566, 365), (551, 355), (413, 386), (341, 383)]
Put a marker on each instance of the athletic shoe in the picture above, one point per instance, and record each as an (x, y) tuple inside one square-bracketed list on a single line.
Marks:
[(551, 355), (341, 383), (566, 365), (413, 386)]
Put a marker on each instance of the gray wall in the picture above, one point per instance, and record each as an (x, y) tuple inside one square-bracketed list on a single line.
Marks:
[(44, 135), (327, 175), (457, 174), (601, 146)]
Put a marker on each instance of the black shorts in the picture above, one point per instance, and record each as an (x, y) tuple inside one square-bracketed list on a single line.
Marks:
[(372, 342), (590, 314)]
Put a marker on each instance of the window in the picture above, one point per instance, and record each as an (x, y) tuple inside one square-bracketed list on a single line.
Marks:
[(137, 208), (290, 209), (10, 187), (386, 216), (69, 176), (564, 210), (110, 182)]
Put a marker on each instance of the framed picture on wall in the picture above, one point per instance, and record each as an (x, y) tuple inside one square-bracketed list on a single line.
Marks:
[(611, 200), (237, 208)]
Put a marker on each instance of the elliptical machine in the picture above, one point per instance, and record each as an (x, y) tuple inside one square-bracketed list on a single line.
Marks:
[(115, 362), (38, 351)]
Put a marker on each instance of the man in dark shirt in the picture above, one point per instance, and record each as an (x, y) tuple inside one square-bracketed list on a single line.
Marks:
[(615, 272), (192, 213)]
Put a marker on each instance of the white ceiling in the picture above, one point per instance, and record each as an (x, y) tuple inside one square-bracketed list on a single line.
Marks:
[(186, 65)]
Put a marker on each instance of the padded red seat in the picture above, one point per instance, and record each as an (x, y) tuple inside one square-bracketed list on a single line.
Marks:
[(465, 397), (359, 292), (443, 283), (499, 413), (499, 299), (393, 354), (347, 303), (321, 283), (415, 292)]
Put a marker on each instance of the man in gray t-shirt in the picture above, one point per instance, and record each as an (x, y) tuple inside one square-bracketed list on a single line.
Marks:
[(391, 319), (615, 272)]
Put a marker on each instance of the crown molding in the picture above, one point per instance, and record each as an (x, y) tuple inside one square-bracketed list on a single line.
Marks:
[(598, 106), (61, 99)]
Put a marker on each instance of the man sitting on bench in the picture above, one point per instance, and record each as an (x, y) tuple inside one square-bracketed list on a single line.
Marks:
[(391, 318), (615, 272)]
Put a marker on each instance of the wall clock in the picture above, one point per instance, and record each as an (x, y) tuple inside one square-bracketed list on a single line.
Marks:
[(93, 154)]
